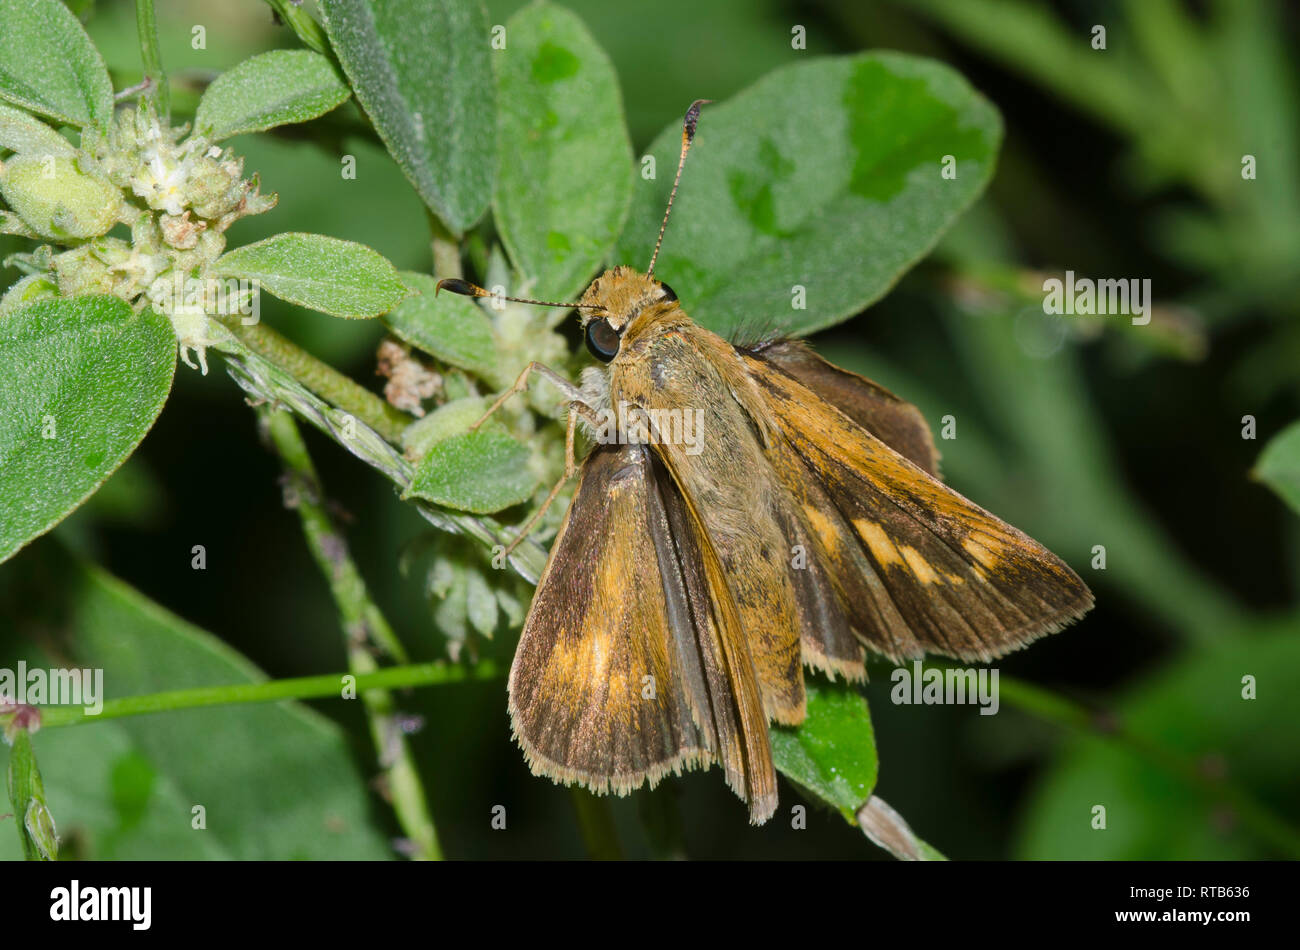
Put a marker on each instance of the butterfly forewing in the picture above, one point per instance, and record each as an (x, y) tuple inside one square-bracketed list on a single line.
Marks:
[(919, 567)]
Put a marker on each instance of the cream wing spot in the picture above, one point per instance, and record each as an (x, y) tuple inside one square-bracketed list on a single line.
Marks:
[(822, 526), (980, 552), (919, 565), (882, 548)]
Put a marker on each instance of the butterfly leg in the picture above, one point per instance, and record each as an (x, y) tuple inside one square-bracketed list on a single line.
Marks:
[(573, 393), (570, 468)]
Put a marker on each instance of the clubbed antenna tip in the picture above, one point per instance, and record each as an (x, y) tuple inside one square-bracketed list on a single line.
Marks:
[(688, 136)]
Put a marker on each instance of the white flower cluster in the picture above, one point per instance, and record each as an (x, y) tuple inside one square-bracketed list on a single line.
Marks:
[(177, 193)]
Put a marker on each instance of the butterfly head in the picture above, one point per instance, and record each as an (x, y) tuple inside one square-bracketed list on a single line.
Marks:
[(613, 301), (620, 295)]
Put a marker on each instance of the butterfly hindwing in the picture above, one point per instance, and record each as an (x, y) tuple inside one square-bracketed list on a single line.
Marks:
[(894, 421), (715, 641), (627, 669)]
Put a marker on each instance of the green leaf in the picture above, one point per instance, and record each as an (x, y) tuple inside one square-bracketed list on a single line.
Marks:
[(561, 198), (275, 782), (461, 585), (1279, 465), (36, 831), (49, 65), (451, 418), (832, 753), (477, 471), (59, 201), (81, 382), (1201, 710), (422, 72), (19, 132), (825, 176), (275, 88), (452, 328), (341, 278)]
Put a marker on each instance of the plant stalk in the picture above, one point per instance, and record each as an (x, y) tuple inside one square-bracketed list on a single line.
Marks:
[(320, 377), (363, 624), (271, 691), (146, 25)]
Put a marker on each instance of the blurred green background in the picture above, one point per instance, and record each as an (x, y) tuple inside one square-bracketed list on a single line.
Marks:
[(1117, 163)]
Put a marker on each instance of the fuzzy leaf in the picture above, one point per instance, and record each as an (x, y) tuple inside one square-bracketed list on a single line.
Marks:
[(561, 198), (49, 65), (477, 471), (20, 132), (423, 74), (82, 380), (448, 326), (341, 278), (275, 88)]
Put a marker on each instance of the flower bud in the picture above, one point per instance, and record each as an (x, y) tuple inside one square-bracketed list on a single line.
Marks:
[(28, 290), (58, 200)]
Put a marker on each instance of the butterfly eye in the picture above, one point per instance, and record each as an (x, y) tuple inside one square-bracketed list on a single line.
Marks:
[(669, 294), (602, 341)]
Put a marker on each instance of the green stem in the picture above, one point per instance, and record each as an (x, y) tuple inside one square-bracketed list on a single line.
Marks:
[(320, 377), (1253, 813), (361, 618), (363, 623), (146, 25), (302, 687), (263, 381), (303, 24), (446, 249), (27, 798), (596, 822)]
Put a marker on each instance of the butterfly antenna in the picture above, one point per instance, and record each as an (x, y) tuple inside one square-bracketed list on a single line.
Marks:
[(463, 287), (688, 136)]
